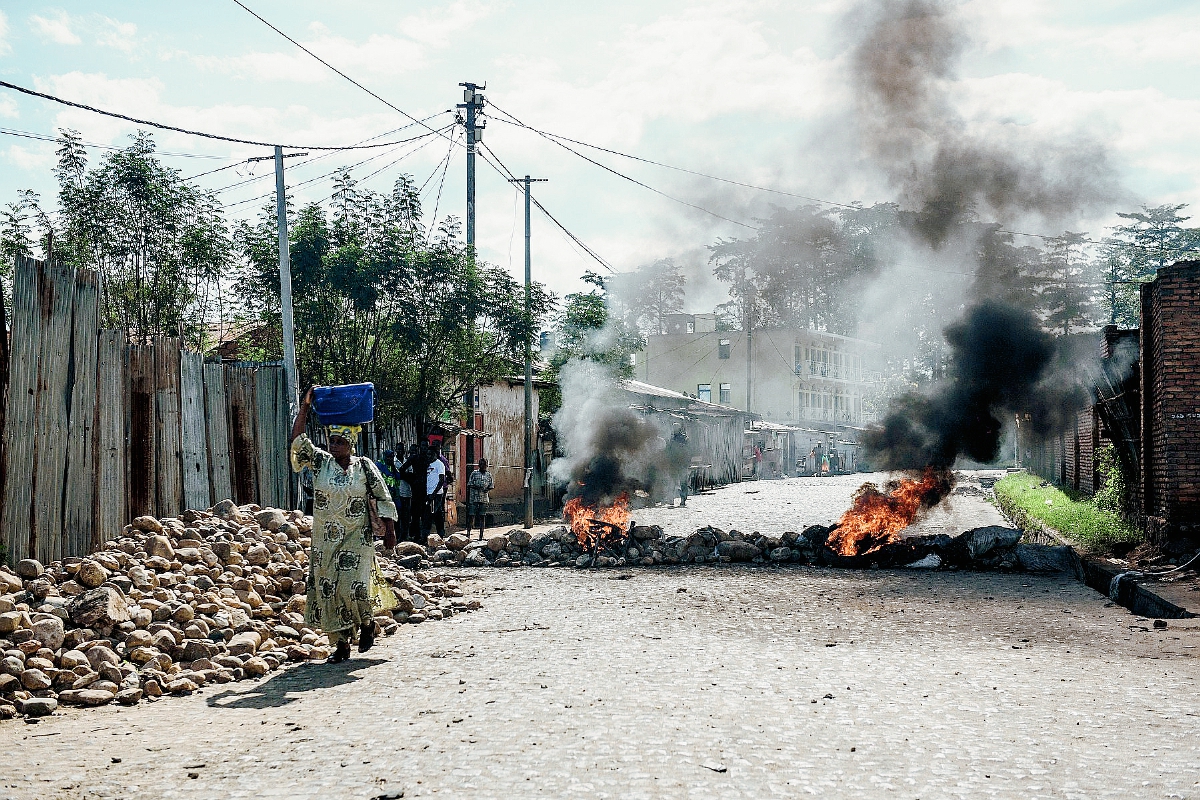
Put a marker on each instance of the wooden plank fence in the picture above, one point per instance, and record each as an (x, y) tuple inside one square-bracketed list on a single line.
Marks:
[(97, 430)]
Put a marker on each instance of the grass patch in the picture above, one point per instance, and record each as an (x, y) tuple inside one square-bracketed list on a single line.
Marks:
[(1024, 496)]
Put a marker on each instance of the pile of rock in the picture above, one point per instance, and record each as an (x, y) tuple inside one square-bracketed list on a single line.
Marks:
[(981, 548), (174, 604)]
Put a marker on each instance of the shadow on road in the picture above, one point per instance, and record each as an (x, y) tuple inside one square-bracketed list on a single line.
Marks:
[(286, 687)]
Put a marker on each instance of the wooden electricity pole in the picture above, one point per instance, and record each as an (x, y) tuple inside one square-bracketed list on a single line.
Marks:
[(529, 422)]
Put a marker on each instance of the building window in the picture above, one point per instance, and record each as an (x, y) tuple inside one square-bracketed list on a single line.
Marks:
[(725, 392), (723, 348), (704, 392)]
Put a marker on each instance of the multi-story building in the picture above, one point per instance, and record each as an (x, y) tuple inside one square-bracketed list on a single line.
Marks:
[(807, 379)]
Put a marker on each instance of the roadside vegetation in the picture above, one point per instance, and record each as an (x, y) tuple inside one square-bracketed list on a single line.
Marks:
[(1027, 498)]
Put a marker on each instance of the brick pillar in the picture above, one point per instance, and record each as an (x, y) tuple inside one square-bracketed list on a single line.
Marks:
[(1170, 364)]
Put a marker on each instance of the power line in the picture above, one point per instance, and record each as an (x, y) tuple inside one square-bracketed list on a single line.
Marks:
[(176, 129), (318, 158), (45, 137), (306, 182), (556, 137), (508, 174), (390, 105), (314, 158), (514, 121), (622, 175)]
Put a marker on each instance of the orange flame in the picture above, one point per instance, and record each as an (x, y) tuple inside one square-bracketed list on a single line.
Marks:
[(581, 516), (876, 518)]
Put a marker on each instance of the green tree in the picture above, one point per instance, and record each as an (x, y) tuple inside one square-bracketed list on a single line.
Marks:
[(1153, 238), (160, 244), (644, 297), (1068, 291), (586, 329), (378, 298)]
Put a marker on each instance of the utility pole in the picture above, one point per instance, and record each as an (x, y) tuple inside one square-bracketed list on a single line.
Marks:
[(528, 355), (473, 105), (285, 284), (285, 279), (748, 302)]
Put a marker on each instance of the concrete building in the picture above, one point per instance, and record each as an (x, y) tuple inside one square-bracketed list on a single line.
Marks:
[(807, 379)]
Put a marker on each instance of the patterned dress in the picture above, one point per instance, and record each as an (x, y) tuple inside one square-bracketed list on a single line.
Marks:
[(344, 585)]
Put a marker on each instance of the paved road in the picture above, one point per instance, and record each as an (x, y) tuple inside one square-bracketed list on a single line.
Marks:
[(705, 682), (792, 504)]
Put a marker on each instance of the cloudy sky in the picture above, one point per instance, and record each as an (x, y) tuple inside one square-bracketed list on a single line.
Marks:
[(752, 90)]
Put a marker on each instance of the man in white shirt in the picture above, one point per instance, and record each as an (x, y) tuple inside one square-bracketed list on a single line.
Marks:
[(435, 487)]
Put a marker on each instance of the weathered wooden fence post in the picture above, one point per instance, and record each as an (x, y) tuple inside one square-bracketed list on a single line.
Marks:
[(169, 453), (196, 491), (57, 284), (112, 482), (79, 511), (20, 414), (217, 421)]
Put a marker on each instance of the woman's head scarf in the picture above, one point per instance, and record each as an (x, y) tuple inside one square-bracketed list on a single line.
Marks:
[(348, 432)]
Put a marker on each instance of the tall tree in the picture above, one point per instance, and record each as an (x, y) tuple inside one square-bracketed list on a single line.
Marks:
[(379, 298), (160, 243), (644, 297), (1153, 238), (1068, 295)]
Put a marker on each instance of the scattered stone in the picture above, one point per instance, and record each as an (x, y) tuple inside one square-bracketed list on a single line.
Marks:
[(86, 697), (147, 525), (50, 632), (38, 706), (497, 543), (102, 607), (738, 551), (29, 568), (91, 574)]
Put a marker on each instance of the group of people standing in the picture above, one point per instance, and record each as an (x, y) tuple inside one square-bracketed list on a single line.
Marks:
[(822, 461), (420, 485)]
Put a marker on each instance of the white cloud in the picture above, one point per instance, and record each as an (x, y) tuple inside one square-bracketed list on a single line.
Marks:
[(380, 53), (437, 28), (56, 28), (5, 47), (31, 158), (8, 107), (114, 33)]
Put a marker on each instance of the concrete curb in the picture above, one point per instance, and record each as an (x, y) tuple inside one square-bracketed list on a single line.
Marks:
[(1098, 573)]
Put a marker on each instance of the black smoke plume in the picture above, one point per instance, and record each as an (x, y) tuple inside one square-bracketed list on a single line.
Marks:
[(903, 66), (1003, 364)]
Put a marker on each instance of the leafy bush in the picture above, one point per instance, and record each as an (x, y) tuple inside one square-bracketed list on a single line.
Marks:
[(1024, 497), (1114, 492)]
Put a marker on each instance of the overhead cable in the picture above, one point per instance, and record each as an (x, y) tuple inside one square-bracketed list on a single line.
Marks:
[(176, 129), (514, 121), (335, 69), (623, 176), (512, 178)]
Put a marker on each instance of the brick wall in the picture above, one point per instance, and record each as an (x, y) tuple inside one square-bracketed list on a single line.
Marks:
[(1087, 433), (1170, 386)]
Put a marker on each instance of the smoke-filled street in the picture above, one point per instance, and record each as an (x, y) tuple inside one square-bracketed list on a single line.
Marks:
[(775, 507), (699, 682)]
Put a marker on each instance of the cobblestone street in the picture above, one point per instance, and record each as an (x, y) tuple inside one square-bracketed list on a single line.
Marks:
[(699, 682)]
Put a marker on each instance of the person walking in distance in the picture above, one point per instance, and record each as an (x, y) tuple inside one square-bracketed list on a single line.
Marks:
[(412, 471), (345, 585), (478, 485), (401, 491), (435, 488)]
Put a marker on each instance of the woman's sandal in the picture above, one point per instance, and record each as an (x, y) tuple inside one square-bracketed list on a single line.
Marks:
[(366, 637), (340, 654)]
